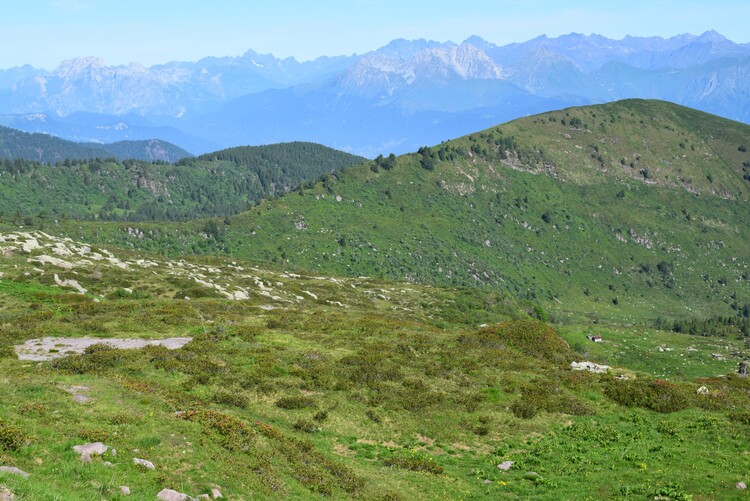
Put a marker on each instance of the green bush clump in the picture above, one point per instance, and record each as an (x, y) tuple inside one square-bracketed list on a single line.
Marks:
[(12, 438), (545, 395), (529, 337), (234, 398), (653, 394), (305, 425), (295, 402), (415, 463)]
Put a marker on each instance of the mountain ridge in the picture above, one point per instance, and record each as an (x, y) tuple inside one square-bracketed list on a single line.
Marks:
[(565, 70)]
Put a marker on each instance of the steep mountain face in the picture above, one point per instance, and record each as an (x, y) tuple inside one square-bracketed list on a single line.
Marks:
[(416, 91)]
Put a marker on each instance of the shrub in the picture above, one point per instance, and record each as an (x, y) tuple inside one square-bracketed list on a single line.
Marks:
[(305, 425), (12, 437), (653, 394), (295, 402), (231, 397), (415, 463)]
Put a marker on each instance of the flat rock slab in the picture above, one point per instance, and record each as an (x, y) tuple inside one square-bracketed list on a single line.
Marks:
[(49, 348), (13, 471)]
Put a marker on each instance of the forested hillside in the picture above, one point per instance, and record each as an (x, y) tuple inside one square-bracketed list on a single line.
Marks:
[(219, 184)]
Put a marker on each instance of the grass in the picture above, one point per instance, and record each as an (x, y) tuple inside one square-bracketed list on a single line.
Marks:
[(398, 398)]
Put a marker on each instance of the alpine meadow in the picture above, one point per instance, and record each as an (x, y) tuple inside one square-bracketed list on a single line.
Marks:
[(433, 271)]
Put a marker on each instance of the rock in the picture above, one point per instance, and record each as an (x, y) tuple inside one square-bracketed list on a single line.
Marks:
[(144, 463), (172, 495), (590, 366), (487, 482), (702, 391), (216, 494), (742, 370), (88, 450), (505, 465), (6, 494), (125, 490), (13, 471), (741, 486)]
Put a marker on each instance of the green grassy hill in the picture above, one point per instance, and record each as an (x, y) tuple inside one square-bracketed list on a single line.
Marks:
[(309, 386), (219, 184), (626, 211), (43, 148)]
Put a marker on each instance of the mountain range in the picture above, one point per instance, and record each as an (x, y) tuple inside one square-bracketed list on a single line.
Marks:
[(396, 98)]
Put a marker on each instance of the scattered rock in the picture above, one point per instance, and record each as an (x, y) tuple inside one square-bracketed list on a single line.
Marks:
[(144, 463), (741, 486), (88, 450), (590, 366), (6, 494), (702, 391), (172, 495), (216, 494), (70, 283), (505, 465), (78, 393), (125, 490), (487, 482), (13, 471), (742, 370)]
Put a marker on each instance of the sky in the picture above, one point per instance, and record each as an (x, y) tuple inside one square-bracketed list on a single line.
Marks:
[(45, 32)]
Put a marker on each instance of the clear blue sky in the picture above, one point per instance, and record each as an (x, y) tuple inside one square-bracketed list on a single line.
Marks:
[(45, 32)]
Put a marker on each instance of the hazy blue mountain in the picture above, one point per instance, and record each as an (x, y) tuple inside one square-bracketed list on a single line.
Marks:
[(398, 97), (98, 128), (16, 144)]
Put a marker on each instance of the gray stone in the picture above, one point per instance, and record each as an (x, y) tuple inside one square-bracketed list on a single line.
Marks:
[(125, 490), (144, 463), (216, 494), (505, 465), (14, 471), (6, 494), (531, 475), (172, 495), (88, 450)]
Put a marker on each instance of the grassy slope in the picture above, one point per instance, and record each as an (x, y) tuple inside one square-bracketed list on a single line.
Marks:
[(389, 374), (561, 217)]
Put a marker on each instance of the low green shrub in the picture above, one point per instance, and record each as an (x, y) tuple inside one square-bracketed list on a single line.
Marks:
[(295, 402), (415, 463), (12, 437)]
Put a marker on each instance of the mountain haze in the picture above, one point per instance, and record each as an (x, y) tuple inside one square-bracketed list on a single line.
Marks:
[(15, 144), (396, 98)]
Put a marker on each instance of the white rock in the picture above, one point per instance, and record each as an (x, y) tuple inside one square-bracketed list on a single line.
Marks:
[(702, 391), (125, 490), (173, 495), (216, 494), (590, 366), (144, 463), (505, 465)]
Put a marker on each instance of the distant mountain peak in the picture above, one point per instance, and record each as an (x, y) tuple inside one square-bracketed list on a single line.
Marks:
[(711, 36), (79, 65)]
